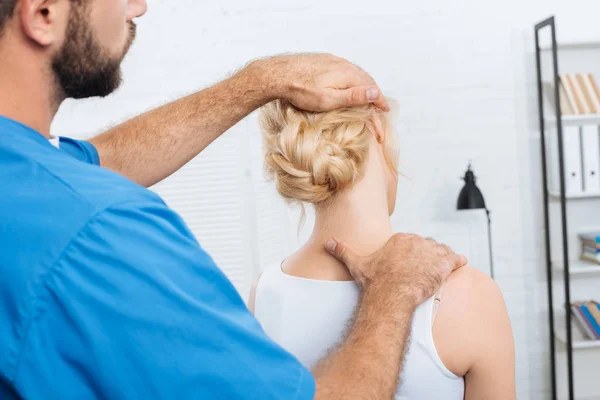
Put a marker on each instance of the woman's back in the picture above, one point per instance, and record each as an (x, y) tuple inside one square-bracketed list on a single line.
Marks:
[(308, 317), (344, 163)]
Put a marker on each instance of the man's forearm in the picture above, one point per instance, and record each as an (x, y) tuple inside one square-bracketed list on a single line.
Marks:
[(152, 146), (367, 364)]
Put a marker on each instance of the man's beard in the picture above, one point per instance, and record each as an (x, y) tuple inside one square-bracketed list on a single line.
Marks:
[(82, 67)]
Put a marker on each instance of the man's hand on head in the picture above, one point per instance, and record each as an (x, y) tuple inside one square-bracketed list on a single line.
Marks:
[(319, 82), (152, 146)]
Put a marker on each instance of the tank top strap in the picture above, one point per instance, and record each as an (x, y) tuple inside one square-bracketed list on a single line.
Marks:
[(423, 331), (271, 272)]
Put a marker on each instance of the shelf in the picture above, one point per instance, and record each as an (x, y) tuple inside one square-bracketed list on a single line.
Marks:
[(578, 267), (573, 45), (585, 195), (577, 344), (576, 120)]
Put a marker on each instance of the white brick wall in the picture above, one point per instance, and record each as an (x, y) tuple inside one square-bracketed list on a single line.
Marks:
[(464, 74)]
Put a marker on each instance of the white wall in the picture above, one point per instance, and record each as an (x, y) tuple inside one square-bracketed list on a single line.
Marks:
[(463, 73)]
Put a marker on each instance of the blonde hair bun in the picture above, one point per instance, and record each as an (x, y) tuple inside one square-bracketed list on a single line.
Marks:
[(313, 156)]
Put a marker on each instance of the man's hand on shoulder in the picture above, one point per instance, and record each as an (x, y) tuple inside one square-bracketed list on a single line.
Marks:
[(409, 269), (318, 82), (394, 281)]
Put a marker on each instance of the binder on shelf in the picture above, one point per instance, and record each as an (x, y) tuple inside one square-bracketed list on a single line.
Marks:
[(572, 155), (590, 147), (572, 161), (584, 108), (553, 169)]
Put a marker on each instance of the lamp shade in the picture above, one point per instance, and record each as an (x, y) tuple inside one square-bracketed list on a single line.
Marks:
[(470, 196)]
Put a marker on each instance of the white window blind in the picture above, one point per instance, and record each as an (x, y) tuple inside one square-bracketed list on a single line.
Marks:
[(209, 193), (273, 228)]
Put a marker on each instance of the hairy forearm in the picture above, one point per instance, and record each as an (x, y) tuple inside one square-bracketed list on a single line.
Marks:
[(152, 146), (367, 364)]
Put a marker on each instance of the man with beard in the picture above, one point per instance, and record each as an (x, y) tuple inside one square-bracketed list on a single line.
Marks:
[(104, 292)]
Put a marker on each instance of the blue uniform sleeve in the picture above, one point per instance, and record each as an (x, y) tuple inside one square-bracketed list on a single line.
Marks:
[(80, 149), (135, 309)]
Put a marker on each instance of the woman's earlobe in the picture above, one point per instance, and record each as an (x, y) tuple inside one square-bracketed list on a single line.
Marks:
[(378, 130), (379, 133)]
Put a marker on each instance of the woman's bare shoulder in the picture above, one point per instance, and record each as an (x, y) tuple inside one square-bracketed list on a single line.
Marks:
[(471, 305), (469, 283)]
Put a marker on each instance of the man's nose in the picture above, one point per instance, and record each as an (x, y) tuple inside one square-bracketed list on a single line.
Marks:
[(136, 8)]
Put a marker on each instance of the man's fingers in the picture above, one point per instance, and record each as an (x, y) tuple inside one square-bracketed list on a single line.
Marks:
[(342, 252), (358, 96), (382, 103), (353, 97), (459, 261)]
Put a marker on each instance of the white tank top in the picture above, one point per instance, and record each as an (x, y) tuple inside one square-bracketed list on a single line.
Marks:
[(308, 317)]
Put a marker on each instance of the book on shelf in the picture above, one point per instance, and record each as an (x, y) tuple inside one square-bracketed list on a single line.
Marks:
[(595, 90), (590, 247), (566, 87), (592, 258), (579, 94), (582, 104), (590, 237), (590, 318), (590, 91), (586, 316), (584, 326), (565, 106), (594, 308)]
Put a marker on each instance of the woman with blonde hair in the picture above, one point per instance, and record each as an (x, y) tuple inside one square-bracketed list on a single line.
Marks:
[(344, 163)]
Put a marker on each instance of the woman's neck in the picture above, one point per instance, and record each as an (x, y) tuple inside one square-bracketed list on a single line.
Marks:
[(359, 217), (356, 219)]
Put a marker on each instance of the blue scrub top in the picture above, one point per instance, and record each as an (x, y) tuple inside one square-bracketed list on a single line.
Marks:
[(106, 294)]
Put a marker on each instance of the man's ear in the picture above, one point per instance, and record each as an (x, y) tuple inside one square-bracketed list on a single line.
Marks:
[(44, 21)]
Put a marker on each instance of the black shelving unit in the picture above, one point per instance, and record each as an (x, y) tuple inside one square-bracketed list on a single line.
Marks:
[(549, 24)]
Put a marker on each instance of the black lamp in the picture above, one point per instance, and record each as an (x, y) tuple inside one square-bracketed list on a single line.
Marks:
[(470, 198)]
